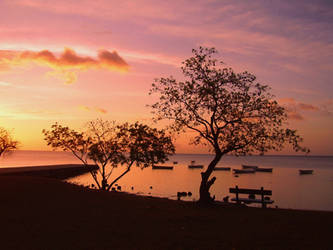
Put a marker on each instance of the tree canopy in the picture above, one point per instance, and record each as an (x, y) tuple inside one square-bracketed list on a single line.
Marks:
[(230, 112), (7, 143), (110, 145)]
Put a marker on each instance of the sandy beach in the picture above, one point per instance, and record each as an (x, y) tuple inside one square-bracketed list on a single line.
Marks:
[(46, 213)]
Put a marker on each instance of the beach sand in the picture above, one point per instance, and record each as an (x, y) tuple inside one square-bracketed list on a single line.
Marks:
[(44, 213)]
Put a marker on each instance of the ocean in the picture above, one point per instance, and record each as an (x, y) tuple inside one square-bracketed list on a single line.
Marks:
[(289, 189)]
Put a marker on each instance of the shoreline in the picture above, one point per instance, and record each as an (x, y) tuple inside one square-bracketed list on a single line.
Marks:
[(59, 171), (67, 171), (38, 210), (205, 154)]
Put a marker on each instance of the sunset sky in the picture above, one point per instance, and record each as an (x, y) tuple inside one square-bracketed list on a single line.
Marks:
[(72, 61)]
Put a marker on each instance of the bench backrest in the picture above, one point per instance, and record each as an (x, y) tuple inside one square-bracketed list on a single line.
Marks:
[(250, 191)]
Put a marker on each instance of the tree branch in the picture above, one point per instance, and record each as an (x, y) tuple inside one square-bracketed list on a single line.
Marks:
[(125, 172)]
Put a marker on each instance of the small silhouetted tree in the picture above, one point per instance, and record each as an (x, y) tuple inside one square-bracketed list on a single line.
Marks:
[(230, 112), (110, 145), (7, 143)]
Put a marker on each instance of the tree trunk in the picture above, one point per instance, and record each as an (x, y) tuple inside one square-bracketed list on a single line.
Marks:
[(104, 184), (206, 183)]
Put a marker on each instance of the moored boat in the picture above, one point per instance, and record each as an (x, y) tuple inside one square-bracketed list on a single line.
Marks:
[(249, 167), (222, 168), (244, 171), (195, 166), (162, 167), (270, 170), (305, 171)]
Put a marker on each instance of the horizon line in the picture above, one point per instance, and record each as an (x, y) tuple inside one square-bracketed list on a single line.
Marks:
[(269, 155)]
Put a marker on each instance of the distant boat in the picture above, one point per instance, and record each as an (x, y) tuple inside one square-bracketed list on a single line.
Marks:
[(305, 171), (162, 167), (244, 171), (195, 166), (249, 167), (270, 170), (175, 162), (222, 168)]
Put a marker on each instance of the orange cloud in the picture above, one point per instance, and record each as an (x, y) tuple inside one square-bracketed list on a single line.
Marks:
[(294, 108), (294, 115), (101, 110), (84, 108), (95, 109), (308, 107), (291, 102), (286, 101), (5, 55), (66, 64)]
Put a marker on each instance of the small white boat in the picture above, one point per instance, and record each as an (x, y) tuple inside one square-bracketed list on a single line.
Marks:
[(244, 171), (305, 171)]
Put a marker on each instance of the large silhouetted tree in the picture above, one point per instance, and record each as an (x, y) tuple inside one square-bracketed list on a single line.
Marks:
[(230, 112), (110, 145), (7, 143)]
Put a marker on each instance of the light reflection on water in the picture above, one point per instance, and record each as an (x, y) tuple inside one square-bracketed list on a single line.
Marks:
[(290, 190)]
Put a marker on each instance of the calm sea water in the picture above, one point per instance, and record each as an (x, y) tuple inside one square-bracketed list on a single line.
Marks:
[(290, 190)]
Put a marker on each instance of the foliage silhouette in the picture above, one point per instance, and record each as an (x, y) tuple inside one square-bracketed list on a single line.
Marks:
[(230, 112), (7, 144), (110, 145)]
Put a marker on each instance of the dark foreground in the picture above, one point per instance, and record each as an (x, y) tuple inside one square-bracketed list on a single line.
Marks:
[(41, 213)]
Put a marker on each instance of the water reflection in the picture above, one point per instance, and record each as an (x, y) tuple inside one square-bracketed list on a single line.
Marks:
[(290, 190)]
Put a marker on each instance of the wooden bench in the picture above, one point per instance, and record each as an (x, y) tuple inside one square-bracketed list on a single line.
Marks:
[(264, 199)]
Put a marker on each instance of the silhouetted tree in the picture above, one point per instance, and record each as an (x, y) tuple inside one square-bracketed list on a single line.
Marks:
[(7, 144), (112, 145), (230, 112)]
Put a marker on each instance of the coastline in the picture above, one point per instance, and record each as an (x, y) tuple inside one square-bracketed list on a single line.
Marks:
[(210, 154), (59, 171), (46, 213)]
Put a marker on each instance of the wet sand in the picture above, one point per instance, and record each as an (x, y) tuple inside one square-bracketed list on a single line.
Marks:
[(45, 213)]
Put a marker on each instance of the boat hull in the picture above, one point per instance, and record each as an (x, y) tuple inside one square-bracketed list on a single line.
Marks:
[(221, 169), (244, 171), (268, 170), (195, 166), (249, 167), (163, 167), (305, 171)]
